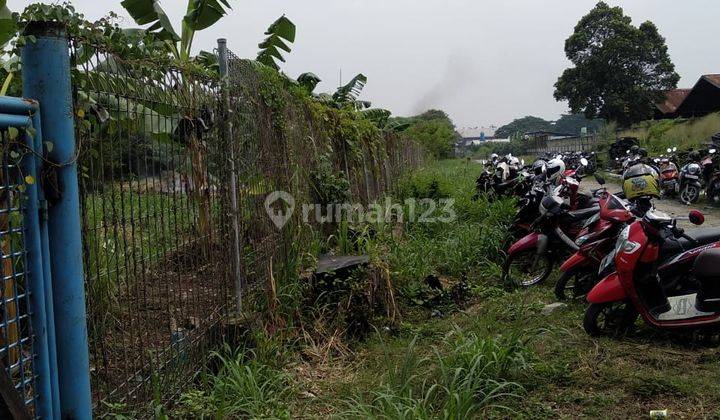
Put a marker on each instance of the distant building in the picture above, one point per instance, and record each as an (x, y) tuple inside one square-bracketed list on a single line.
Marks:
[(673, 99), (544, 135), (475, 136), (702, 99)]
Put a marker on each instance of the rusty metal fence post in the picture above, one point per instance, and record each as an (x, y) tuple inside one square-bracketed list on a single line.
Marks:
[(228, 132)]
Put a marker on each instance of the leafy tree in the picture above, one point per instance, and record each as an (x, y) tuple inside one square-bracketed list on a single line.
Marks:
[(433, 129), (435, 114), (523, 125), (619, 70)]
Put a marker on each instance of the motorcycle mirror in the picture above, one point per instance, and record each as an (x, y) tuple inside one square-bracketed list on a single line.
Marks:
[(584, 162), (522, 162), (669, 150), (696, 217), (627, 152), (484, 162), (675, 149), (712, 151), (600, 180)]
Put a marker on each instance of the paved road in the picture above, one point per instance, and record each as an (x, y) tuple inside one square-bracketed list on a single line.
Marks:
[(671, 206)]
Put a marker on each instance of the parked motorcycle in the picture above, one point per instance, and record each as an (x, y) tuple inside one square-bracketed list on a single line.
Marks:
[(531, 259), (690, 181), (713, 187), (504, 178), (668, 276), (579, 273), (669, 176), (712, 177)]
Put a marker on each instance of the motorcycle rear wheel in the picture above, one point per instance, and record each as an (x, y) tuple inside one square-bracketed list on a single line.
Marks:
[(609, 319), (690, 194), (526, 269)]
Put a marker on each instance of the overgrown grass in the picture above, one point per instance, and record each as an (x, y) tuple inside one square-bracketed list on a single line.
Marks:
[(492, 355), (460, 380), (657, 136)]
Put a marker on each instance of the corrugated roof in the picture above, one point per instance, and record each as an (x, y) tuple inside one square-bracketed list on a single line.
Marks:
[(673, 99), (713, 78)]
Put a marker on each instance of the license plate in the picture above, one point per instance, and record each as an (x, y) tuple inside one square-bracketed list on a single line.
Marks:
[(691, 176)]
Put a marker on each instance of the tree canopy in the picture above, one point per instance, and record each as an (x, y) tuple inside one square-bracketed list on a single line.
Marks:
[(619, 70), (567, 124), (523, 125), (433, 129)]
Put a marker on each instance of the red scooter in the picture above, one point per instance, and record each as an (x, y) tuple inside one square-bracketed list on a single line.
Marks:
[(680, 291), (579, 273), (669, 176)]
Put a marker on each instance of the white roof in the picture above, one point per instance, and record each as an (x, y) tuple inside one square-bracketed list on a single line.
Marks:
[(477, 132)]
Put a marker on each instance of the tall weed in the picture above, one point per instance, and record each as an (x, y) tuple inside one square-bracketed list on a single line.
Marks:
[(244, 387), (469, 378)]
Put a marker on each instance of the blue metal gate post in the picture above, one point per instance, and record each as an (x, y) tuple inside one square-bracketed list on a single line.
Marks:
[(46, 78), (35, 278), (47, 275)]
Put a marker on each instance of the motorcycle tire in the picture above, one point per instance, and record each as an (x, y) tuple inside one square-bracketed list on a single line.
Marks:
[(537, 276), (575, 284), (609, 319), (690, 194)]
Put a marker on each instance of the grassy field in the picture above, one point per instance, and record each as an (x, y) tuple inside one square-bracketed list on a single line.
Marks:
[(657, 136), (470, 351)]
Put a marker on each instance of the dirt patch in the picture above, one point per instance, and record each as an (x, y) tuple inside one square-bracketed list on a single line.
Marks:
[(156, 331)]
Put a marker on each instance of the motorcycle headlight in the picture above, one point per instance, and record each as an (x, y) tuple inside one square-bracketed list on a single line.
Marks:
[(624, 234), (624, 244)]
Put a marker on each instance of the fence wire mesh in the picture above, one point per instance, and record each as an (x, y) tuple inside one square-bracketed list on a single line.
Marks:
[(152, 170), (159, 147), (16, 335)]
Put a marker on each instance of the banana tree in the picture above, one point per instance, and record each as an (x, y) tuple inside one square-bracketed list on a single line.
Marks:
[(308, 81), (200, 14), (8, 30), (381, 118), (279, 34), (347, 95)]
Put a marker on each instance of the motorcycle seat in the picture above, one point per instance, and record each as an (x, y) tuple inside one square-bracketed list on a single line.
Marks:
[(707, 263), (701, 236), (583, 214)]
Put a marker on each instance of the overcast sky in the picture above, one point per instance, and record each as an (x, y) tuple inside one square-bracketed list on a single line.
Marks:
[(483, 61)]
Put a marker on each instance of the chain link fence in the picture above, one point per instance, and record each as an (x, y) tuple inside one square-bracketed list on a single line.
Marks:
[(569, 144), (152, 171), (17, 356), (172, 169)]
